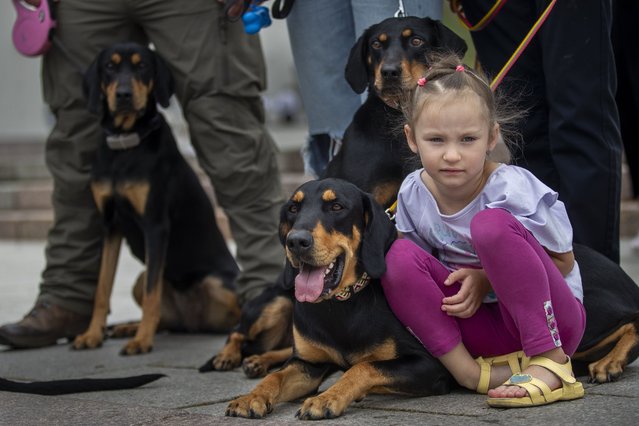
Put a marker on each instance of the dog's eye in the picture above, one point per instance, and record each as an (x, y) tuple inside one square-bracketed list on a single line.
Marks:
[(416, 41), (376, 44), (336, 207), (110, 66), (293, 208)]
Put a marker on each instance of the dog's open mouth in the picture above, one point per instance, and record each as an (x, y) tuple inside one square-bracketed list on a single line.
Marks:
[(313, 282)]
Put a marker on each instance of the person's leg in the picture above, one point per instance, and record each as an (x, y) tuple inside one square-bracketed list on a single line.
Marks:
[(524, 83), (74, 244), (219, 72), (74, 241), (321, 36), (413, 286), (571, 131), (422, 8), (537, 305), (627, 62), (583, 119)]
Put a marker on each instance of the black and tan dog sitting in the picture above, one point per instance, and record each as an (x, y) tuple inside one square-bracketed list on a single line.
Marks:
[(148, 194), (335, 238), (387, 58)]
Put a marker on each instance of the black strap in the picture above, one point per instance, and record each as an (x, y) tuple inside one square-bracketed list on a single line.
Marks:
[(281, 11)]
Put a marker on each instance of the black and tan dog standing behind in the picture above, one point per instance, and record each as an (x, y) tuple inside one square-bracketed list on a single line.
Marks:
[(335, 237), (148, 194), (388, 58)]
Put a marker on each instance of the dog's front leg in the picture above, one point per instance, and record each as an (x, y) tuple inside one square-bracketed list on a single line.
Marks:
[(156, 242), (355, 384), (93, 337), (296, 379)]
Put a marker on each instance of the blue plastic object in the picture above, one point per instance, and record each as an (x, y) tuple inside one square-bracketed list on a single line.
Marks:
[(256, 18)]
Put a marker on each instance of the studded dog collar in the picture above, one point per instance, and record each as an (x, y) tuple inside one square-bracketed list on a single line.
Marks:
[(122, 141), (346, 293)]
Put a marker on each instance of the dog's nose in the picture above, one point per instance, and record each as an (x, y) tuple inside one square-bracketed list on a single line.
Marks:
[(391, 71), (123, 97), (299, 242)]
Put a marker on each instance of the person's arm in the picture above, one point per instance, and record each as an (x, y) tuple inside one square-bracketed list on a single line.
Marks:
[(564, 261)]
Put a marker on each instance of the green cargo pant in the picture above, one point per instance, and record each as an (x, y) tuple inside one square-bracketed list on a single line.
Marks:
[(219, 73)]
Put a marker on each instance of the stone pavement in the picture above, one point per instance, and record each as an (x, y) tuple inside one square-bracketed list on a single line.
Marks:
[(186, 397)]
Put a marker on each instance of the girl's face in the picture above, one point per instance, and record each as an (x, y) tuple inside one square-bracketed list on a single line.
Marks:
[(452, 136)]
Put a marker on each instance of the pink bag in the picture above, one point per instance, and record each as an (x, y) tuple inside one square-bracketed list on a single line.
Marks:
[(33, 29)]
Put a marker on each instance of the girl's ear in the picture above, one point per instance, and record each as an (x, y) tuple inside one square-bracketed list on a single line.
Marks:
[(494, 137), (410, 139)]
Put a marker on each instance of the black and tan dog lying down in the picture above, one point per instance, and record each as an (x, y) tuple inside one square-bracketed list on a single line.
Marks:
[(335, 237), (387, 59)]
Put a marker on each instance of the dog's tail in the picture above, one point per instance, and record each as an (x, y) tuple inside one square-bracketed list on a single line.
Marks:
[(62, 387)]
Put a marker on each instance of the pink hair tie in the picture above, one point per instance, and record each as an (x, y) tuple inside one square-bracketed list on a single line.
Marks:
[(460, 68), (421, 81)]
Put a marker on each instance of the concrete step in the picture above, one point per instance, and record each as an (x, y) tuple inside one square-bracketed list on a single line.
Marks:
[(25, 224), (26, 212), (25, 209), (25, 194), (25, 190)]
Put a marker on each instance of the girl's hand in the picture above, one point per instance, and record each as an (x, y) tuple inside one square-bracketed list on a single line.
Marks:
[(474, 286)]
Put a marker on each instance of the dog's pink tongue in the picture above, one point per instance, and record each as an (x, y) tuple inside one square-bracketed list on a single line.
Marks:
[(309, 283)]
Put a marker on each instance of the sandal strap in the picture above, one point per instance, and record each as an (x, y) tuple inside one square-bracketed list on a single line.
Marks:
[(484, 376), (516, 361), (538, 391), (563, 371)]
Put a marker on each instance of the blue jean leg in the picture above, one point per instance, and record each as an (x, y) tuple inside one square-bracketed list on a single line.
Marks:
[(321, 35)]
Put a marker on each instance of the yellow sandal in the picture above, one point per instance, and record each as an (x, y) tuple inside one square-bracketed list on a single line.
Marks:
[(517, 361), (538, 392)]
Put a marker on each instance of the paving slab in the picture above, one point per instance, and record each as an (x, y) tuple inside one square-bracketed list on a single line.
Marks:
[(187, 397)]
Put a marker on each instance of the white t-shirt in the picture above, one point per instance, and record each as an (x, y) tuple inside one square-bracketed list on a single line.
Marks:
[(508, 187)]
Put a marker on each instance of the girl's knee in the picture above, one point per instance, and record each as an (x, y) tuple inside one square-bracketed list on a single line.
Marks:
[(402, 261), (489, 226), (406, 254)]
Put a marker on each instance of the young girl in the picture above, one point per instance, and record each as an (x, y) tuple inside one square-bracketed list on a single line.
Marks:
[(485, 268)]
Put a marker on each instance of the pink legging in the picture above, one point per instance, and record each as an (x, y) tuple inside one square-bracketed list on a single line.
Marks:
[(534, 300)]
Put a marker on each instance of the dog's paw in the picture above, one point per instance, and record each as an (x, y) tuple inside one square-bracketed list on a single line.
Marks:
[(124, 330), (226, 361), (88, 340), (253, 366), (321, 407), (136, 347), (607, 369), (249, 406)]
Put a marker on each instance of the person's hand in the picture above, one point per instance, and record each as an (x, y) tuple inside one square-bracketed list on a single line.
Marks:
[(474, 286)]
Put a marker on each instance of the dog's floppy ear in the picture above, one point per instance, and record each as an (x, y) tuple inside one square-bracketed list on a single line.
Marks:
[(91, 85), (356, 70), (284, 227), (164, 85), (379, 234), (447, 39)]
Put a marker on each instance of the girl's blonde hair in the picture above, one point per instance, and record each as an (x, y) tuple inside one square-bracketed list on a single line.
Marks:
[(447, 74)]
